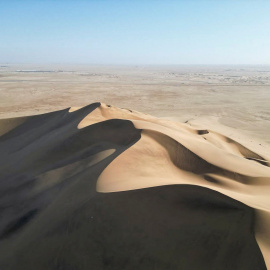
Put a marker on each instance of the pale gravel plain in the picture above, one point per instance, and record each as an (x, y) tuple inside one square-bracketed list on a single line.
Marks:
[(234, 96)]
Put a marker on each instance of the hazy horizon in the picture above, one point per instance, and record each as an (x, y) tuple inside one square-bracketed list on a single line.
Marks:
[(140, 33)]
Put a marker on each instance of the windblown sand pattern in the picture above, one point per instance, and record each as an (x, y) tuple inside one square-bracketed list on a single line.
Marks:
[(100, 187)]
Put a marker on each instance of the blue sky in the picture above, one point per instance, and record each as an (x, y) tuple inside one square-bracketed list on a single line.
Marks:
[(135, 32)]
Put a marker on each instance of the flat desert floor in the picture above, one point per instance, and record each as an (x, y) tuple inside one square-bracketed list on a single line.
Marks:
[(237, 97)]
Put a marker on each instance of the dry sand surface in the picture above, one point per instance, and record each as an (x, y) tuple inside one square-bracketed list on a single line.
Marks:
[(237, 97), (119, 188)]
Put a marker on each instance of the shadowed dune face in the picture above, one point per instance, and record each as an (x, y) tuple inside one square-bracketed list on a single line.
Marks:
[(113, 188), (39, 158)]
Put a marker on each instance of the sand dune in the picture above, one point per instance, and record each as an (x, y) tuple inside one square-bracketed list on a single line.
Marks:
[(114, 188)]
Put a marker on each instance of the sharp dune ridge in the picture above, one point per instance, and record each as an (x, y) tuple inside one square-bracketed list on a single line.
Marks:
[(114, 188)]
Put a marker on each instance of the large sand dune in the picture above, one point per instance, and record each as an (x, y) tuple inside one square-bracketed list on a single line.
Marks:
[(101, 187)]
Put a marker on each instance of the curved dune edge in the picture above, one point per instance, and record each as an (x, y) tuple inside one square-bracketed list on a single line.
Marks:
[(53, 177), (176, 153)]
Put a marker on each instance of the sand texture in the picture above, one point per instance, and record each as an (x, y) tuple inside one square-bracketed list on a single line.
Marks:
[(100, 187)]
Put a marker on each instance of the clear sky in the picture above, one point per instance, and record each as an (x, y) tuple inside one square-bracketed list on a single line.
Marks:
[(135, 32)]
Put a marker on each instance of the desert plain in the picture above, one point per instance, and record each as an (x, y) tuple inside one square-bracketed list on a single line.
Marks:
[(234, 96)]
